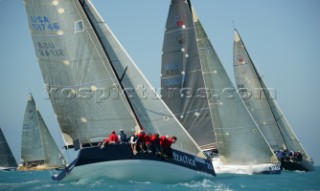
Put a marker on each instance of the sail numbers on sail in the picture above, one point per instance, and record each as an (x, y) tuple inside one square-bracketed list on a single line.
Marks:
[(49, 49), (42, 23)]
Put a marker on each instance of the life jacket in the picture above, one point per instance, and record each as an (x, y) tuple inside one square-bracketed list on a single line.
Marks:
[(166, 142), (113, 137)]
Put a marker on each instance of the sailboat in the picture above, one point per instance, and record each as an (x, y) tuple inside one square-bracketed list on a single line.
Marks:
[(38, 149), (266, 111), (7, 160), (198, 90), (95, 88)]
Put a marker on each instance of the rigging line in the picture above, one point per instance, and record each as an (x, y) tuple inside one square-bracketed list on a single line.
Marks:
[(124, 72)]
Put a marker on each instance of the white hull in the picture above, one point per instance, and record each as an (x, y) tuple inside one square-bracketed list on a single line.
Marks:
[(135, 170), (220, 168), (7, 168)]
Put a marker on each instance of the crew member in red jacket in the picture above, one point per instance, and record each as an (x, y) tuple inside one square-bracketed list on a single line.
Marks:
[(142, 141), (165, 145), (112, 139), (155, 143)]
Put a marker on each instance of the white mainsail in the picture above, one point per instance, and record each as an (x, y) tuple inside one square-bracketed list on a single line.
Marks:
[(238, 137), (7, 160), (38, 148), (262, 104)]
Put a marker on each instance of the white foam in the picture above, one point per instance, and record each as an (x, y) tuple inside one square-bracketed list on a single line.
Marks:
[(221, 168)]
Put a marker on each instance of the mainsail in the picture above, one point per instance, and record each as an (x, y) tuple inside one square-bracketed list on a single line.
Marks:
[(7, 159), (37, 145), (182, 82), (261, 103), (90, 77), (238, 137)]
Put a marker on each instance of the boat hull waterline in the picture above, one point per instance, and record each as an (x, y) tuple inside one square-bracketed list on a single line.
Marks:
[(119, 162), (8, 168), (267, 168)]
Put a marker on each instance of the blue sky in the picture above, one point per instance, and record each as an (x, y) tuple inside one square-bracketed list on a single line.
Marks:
[(282, 37)]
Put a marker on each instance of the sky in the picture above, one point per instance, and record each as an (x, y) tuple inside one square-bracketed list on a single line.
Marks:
[(282, 37)]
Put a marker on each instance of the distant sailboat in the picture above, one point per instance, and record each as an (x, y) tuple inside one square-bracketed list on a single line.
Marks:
[(7, 160), (38, 149), (95, 88), (197, 89), (265, 110)]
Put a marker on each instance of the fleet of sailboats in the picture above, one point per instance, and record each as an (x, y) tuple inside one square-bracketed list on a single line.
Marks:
[(95, 87), (38, 148), (192, 68), (266, 111), (7, 160)]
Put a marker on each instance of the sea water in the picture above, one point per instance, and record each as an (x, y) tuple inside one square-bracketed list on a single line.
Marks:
[(287, 180)]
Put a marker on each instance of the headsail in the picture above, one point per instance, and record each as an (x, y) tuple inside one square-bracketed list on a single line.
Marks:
[(37, 144), (91, 59), (7, 159), (52, 154), (261, 103), (239, 138), (256, 98), (182, 82)]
